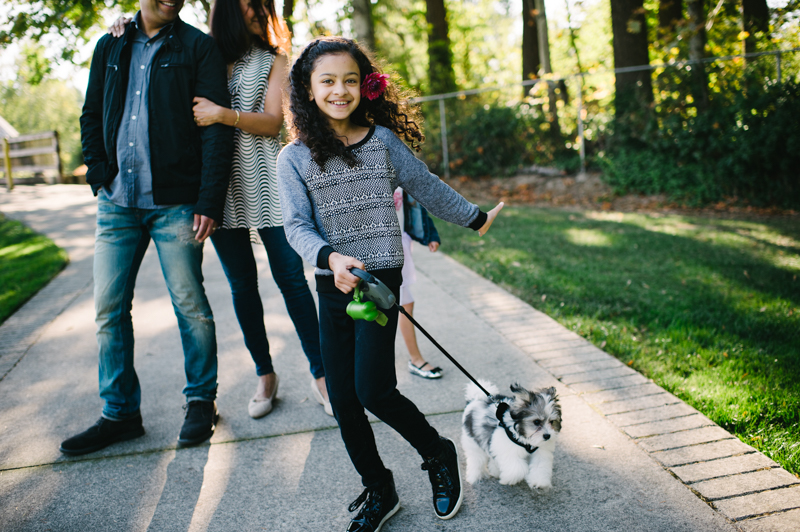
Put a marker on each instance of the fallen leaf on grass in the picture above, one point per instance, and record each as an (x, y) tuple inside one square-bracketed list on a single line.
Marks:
[(746, 274), (762, 309), (602, 344), (544, 296)]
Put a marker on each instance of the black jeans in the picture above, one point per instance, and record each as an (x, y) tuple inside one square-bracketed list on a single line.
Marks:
[(236, 255), (359, 369)]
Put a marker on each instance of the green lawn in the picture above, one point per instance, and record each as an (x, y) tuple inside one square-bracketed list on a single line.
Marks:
[(27, 262), (708, 308)]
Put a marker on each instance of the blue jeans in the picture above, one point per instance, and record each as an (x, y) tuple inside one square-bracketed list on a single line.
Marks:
[(122, 237), (236, 255)]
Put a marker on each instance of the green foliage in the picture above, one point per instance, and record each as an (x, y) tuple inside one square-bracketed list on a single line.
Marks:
[(709, 309), (745, 145), (71, 20), (27, 262), (490, 139), (49, 105)]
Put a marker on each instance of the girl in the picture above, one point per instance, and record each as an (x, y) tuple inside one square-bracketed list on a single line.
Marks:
[(336, 182)]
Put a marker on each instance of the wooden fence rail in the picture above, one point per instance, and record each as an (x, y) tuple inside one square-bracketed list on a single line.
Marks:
[(34, 156)]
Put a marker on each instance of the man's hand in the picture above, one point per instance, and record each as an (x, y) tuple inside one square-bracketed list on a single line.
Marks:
[(490, 216), (204, 226), (433, 246), (340, 265)]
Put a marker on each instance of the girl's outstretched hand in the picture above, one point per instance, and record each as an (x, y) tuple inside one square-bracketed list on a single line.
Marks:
[(490, 216), (117, 29), (342, 278)]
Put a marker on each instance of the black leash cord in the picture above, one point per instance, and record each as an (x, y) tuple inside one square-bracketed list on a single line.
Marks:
[(453, 360)]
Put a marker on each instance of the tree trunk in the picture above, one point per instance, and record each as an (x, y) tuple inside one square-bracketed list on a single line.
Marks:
[(755, 18), (288, 11), (633, 90), (363, 26), (530, 43), (544, 58), (696, 12), (670, 12), (440, 57)]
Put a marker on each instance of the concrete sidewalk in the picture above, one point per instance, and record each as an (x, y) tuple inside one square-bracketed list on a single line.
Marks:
[(630, 456)]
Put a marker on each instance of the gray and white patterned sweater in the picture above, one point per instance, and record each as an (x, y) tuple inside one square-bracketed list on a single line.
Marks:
[(351, 210)]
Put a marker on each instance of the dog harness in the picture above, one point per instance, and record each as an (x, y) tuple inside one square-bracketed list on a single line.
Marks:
[(502, 408)]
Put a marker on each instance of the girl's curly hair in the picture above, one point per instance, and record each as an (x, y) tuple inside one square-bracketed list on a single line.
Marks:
[(311, 127)]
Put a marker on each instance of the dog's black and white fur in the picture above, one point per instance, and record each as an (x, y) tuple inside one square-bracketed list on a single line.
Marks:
[(534, 418)]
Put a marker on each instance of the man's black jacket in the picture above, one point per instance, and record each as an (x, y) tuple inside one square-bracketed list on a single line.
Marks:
[(190, 164)]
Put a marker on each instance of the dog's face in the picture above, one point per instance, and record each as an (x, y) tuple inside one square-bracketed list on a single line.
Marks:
[(536, 415)]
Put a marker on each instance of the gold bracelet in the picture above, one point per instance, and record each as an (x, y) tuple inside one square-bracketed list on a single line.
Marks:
[(237, 117)]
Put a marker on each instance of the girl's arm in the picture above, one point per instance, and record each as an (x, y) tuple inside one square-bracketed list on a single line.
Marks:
[(433, 193), (266, 124)]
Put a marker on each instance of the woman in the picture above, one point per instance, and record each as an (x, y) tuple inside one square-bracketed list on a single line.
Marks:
[(252, 37)]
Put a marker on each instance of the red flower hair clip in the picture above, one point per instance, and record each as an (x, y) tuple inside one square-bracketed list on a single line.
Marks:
[(374, 85)]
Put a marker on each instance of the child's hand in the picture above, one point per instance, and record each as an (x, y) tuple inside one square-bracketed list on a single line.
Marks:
[(342, 278), (433, 246), (490, 216)]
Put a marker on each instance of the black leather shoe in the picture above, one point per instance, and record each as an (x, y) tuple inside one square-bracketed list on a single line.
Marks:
[(379, 504), (102, 434), (199, 422), (445, 479)]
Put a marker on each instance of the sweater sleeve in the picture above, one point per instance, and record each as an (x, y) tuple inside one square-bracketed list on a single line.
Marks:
[(433, 193), (299, 220)]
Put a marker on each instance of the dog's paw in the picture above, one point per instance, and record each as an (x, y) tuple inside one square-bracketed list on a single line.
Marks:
[(510, 479), (540, 481), (473, 476)]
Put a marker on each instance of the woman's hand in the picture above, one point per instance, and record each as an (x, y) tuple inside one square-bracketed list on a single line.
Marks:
[(117, 29), (433, 246), (490, 216), (207, 112), (340, 265)]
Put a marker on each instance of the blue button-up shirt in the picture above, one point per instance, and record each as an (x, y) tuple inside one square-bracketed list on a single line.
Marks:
[(133, 185)]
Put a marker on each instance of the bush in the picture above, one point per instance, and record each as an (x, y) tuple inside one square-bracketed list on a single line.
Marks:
[(490, 140), (745, 145)]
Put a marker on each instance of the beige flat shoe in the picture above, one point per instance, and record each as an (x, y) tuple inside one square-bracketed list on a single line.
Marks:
[(319, 397), (261, 407)]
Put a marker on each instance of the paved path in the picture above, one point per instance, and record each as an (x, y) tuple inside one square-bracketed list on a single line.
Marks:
[(630, 456)]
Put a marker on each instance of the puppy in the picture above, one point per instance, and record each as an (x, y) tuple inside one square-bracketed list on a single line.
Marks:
[(534, 420)]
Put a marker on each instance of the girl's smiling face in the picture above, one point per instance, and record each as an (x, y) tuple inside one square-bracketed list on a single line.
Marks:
[(336, 87)]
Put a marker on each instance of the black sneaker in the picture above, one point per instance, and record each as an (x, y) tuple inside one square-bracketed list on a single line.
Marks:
[(445, 480), (199, 422), (379, 504), (102, 434)]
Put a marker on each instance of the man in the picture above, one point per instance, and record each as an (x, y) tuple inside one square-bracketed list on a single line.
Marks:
[(157, 176)]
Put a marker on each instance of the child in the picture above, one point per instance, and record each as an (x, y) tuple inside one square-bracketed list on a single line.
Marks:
[(336, 182), (417, 225)]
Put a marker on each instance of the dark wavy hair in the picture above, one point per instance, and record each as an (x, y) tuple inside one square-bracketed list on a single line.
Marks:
[(229, 29), (311, 127)]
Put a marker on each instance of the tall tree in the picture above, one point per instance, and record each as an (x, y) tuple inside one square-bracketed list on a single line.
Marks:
[(670, 12), (440, 56), (530, 42), (755, 19), (633, 90), (544, 58), (288, 13), (696, 11), (363, 26)]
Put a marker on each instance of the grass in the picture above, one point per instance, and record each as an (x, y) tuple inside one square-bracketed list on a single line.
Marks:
[(27, 262), (707, 308)]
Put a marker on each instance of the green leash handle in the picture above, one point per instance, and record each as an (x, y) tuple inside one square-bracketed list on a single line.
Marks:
[(365, 310)]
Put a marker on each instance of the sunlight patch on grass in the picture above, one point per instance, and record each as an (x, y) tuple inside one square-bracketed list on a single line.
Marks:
[(588, 237)]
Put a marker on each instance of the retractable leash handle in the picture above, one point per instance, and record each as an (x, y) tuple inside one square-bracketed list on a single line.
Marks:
[(373, 289)]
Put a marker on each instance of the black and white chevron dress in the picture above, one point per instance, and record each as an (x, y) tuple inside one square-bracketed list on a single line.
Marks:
[(252, 199)]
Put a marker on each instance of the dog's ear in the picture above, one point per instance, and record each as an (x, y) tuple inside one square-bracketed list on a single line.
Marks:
[(551, 391), (516, 388)]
